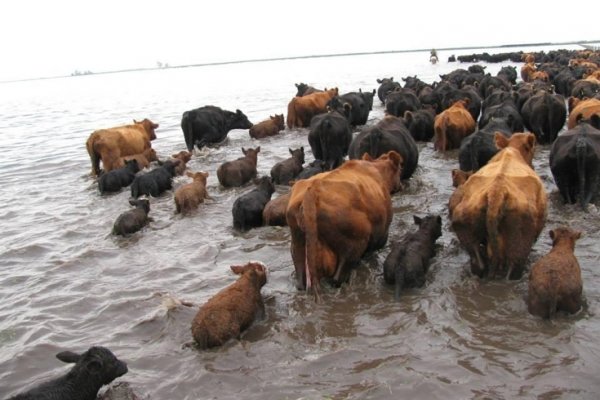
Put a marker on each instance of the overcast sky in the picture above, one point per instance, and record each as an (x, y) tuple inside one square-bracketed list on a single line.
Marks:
[(57, 37)]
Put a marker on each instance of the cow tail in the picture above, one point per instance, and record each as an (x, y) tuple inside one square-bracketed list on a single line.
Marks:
[(189, 131), (291, 115), (440, 137), (311, 235), (496, 199), (473, 146), (580, 150), (93, 155), (374, 142)]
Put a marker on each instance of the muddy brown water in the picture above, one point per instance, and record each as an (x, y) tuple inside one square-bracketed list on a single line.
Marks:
[(66, 283)]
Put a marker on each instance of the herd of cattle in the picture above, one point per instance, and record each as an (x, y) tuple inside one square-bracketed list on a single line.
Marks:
[(337, 210)]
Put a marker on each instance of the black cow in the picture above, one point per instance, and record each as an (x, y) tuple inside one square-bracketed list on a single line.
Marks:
[(583, 88), (156, 181), (401, 100), (489, 83), (575, 163), (388, 134), (362, 104), (506, 110), (210, 124), (477, 148), (408, 262), (466, 92), (386, 85), (248, 208), (132, 221), (544, 114), (420, 123), (96, 367), (114, 180), (285, 171), (329, 138), (315, 167), (509, 74)]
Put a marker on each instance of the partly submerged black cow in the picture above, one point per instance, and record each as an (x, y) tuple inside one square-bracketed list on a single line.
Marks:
[(575, 163), (210, 124), (479, 147), (330, 137), (388, 134), (386, 85)]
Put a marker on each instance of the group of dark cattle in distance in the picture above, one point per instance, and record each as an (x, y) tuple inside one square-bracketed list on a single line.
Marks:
[(497, 210)]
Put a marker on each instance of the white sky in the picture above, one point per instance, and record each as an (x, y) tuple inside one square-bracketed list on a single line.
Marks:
[(57, 37)]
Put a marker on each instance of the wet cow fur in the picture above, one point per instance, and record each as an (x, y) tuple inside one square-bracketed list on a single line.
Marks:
[(132, 220), (452, 126), (248, 208), (240, 171), (231, 311), (96, 367), (274, 212), (555, 279), (210, 124), (407, 264)]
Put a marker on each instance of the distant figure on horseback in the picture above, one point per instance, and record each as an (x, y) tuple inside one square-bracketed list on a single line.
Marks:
[(433, 58)]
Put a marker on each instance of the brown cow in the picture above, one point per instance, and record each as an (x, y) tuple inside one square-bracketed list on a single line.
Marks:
[(526, 71), (143, 159), (231, 311), (500, 210), (555, 279), (582, 109), (302, 109), (184, 157), (240, 171), (274, 211), (337, 216), (110, 145), (452, 125), (269, 127), (189, 196)]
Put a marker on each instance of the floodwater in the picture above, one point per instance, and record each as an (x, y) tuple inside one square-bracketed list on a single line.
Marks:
[(66, 283)]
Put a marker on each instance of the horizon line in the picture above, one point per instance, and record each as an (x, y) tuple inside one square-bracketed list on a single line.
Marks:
[(255, 60)]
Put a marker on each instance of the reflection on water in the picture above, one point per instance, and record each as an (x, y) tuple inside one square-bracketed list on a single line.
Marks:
[(66, 283)]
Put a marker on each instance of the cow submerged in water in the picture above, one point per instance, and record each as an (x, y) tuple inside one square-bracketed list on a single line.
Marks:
[(337, 216)]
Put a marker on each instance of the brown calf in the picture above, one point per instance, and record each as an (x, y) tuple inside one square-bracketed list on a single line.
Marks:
[(274, 212), (240, 171), (231, 311), (188, 197), (555, 279), (269, 127), (143, 159), (184, 157)]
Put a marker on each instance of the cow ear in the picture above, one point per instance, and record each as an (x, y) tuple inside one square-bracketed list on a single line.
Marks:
[(244, 151), (189, 174), (500, 140), (237, 269), (68, 357), (408, 116), (531, 140), (291, 151), (417, 220), (258, 149), (302, 149), (238, 112), (552, 234), (577, 234), (367, 157), (379, 80), (298, 86), (374, 92)]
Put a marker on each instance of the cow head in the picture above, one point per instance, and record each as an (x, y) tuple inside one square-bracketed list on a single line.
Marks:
[(278, 120), (524, 143), (149, 127), (459, 177), (564, 234), (198, 176), (389, 166), (255, 270), (302, 87), (238, 120)]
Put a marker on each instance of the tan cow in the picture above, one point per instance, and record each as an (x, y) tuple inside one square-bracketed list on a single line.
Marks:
[(266, 128), (302, 109), (452, 125), (337, 216), (110, 145), (582, 109), (500, 210)]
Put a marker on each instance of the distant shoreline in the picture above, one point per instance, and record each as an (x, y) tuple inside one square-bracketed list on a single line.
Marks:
[(583, 43)]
